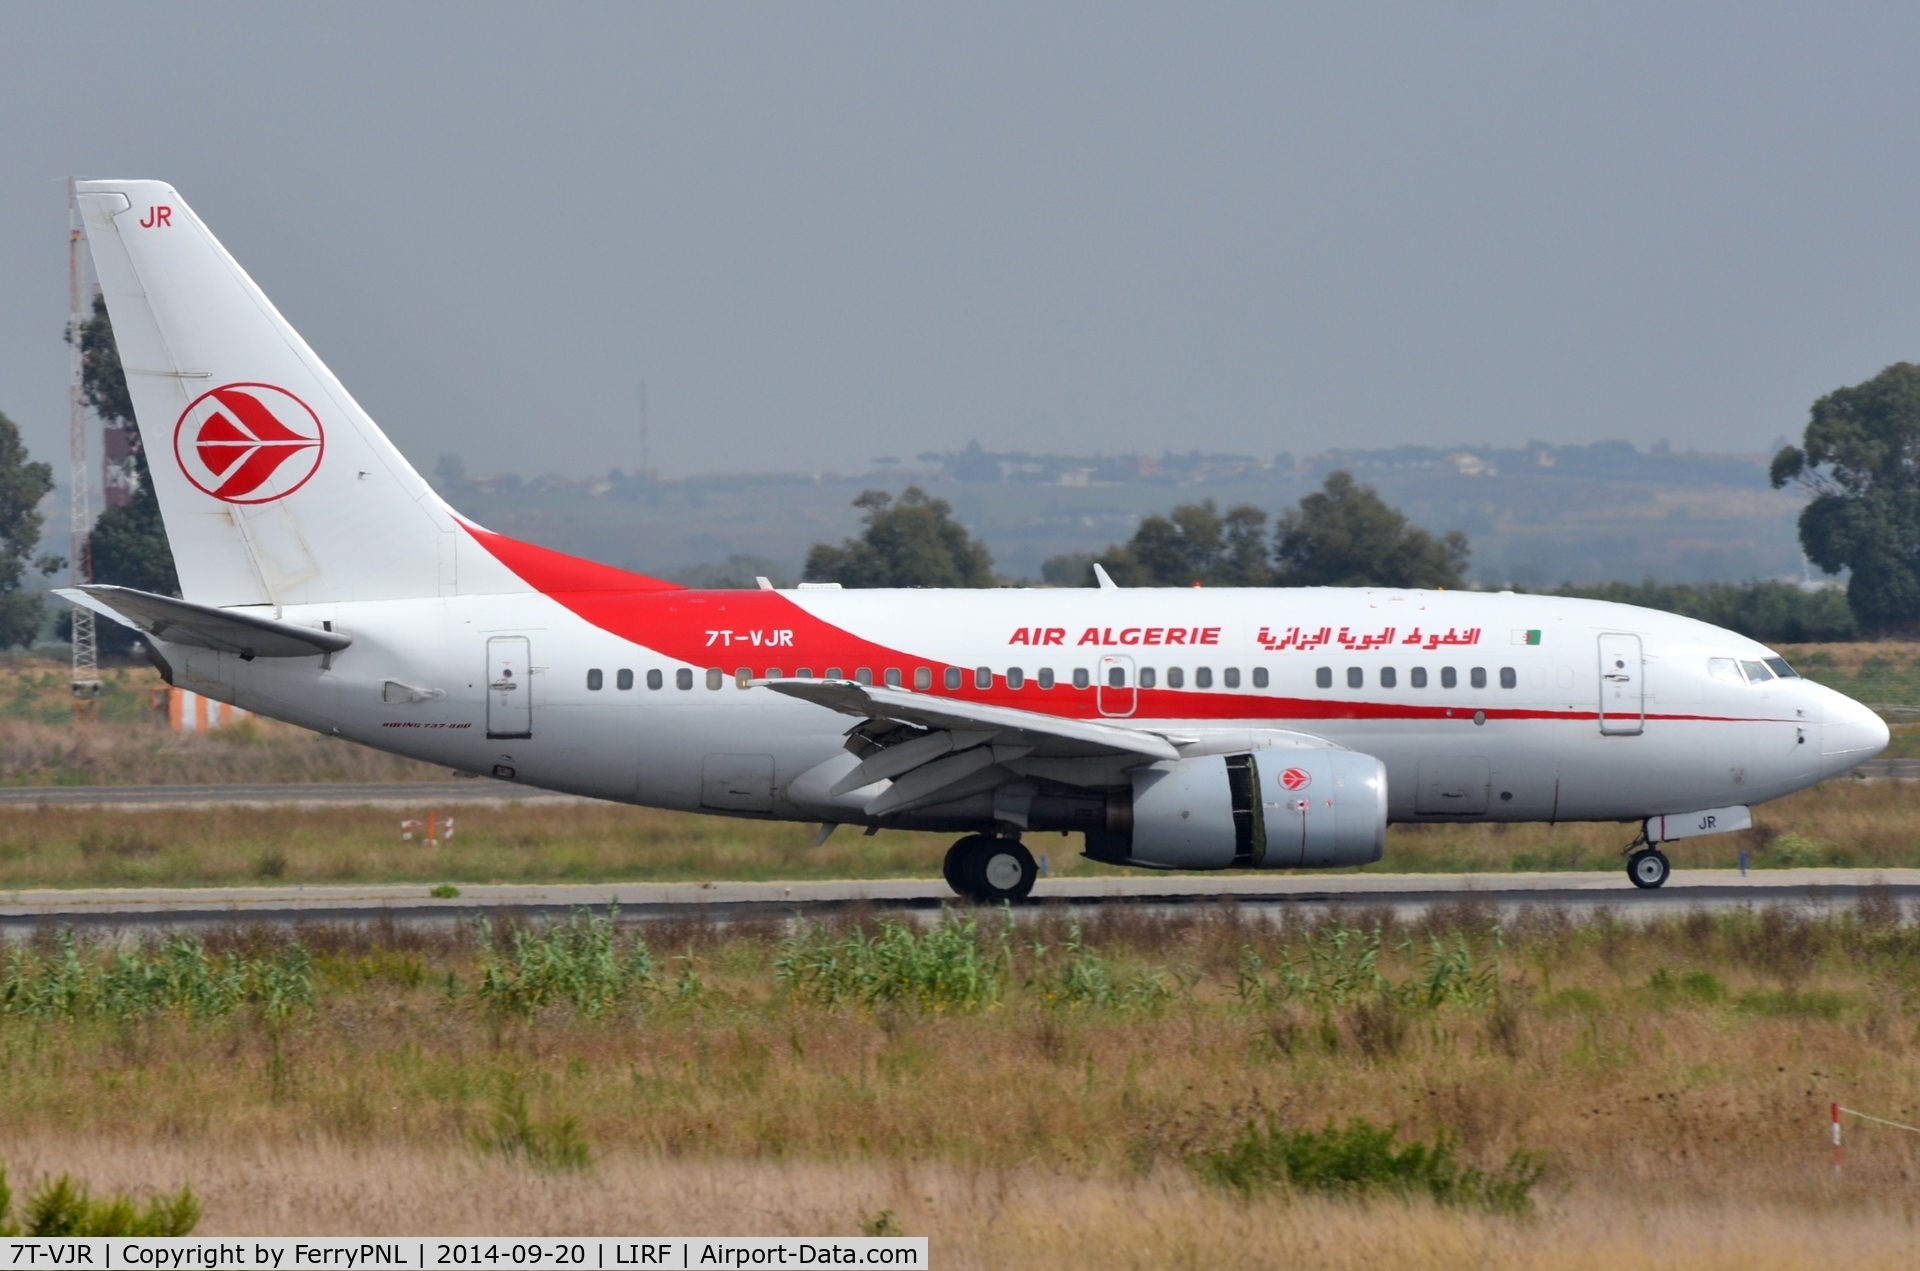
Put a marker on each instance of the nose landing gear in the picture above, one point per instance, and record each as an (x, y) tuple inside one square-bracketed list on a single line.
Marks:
[(1648, 867), (990, 870)]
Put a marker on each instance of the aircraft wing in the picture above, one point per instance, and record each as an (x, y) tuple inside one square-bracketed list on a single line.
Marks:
[(1047, 734), (952, 748), (203, 626)]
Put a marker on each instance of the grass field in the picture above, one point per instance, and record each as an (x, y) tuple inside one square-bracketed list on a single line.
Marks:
[(1671, 1079), (1841, 823)]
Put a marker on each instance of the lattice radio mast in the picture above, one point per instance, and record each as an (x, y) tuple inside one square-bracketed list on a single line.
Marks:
[(86, 654)]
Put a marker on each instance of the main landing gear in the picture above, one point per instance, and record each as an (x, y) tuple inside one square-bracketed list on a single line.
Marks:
[(1648, 866), (990, 870)]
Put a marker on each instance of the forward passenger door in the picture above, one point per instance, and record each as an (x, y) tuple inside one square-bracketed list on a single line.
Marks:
[(1623, 709)]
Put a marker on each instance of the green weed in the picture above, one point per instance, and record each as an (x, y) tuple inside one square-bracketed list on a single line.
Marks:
[(1081, 976), (550, 1145), (583, 962), (1361, 1159), (124, 981), (63, 1207), (950, 965)]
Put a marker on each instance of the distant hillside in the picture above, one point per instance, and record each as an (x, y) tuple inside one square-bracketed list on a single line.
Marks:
[(1537, 515)]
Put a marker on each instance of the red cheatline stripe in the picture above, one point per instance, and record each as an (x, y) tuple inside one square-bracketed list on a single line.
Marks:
[(675, 622)]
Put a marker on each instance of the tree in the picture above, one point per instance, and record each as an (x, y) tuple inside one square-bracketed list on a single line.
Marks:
[(914, 542), (1858, 460), (128, 546), (22, 486), (1192, 544), (1347, 536)]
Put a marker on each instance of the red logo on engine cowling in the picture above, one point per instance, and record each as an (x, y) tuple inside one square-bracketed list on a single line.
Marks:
[(248, 443), (1296, 779)]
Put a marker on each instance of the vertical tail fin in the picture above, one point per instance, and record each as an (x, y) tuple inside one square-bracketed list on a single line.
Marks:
[(276, 488)]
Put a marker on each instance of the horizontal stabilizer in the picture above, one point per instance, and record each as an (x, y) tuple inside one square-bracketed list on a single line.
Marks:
[(203, 626)]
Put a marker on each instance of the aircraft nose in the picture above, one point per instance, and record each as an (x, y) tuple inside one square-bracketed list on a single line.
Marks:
[(1850, 734)]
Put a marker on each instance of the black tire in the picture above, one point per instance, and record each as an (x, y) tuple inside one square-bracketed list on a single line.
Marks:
[(1649, 868), (954, 868), (996, 871)]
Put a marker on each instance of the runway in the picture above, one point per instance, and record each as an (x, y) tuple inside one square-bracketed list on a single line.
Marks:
[(1406, 894)]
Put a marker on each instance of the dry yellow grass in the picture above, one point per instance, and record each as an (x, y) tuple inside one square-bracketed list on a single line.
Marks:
[(258, 750), (974, 1218)]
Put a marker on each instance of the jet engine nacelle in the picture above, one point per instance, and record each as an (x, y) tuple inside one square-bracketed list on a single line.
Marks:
[(1279, 809)]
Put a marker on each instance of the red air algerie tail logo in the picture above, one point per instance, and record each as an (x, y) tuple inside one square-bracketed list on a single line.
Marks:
[(1296, 779), (248, 443)]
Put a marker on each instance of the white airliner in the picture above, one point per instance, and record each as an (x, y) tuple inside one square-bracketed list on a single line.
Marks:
[(326, 584)]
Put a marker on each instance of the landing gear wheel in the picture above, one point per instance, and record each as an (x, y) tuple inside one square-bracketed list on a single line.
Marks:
[(1648, 868), (954, 868), (991, 870)]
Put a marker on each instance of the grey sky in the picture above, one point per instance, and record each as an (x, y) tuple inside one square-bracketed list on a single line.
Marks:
[(827, 233)]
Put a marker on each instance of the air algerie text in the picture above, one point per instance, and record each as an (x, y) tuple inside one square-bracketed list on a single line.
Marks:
[(1105, 636)]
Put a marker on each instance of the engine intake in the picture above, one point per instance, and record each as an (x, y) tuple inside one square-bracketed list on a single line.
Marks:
[(1276, 809)]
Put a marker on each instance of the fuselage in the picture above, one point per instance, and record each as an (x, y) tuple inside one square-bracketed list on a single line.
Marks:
[(1496, 707)]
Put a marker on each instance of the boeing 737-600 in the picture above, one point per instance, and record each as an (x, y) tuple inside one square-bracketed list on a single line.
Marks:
[(323, 582)]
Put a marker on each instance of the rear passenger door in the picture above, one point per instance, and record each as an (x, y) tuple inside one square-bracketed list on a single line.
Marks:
[(509, 687)]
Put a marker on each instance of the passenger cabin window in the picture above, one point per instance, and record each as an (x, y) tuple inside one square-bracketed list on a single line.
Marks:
[(1116, 677), (624, 680), (1231, 677), (1449, 678), (683, 678), (773, 673), (1323, 678), (893, 677), (1417, 677), (1016, 677), (714, 676), (1509, 678), (1203, 677), (1176, 678), (1259, 677), (863, 675), (983, 677), (743, 676), (1780, 668), (655, 680), (1046, 677), (594, 680), (1757, 672), (1080, 677), (833, 673), (1355, 677), (1148, 678), (953, 677), (1388, 677), (804, 673), (923, 678), (1478, 676)]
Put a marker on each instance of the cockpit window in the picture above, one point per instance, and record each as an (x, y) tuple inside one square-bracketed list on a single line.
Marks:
[(1725, 669), (1757, 672), (1780, 668)]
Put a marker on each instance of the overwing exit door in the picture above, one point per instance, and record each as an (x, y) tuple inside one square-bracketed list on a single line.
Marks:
[(1623, 709), (1114, 691), (509, 687)]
